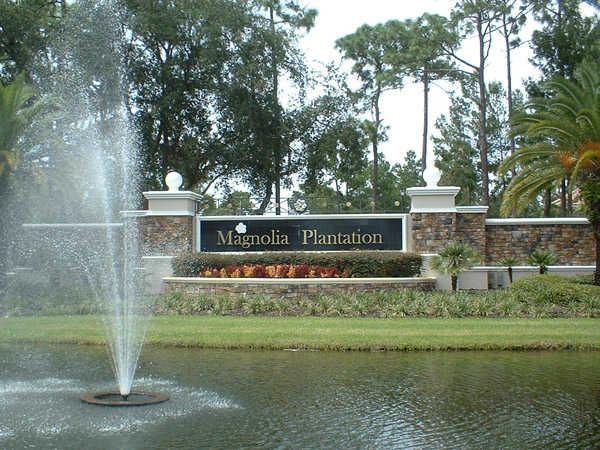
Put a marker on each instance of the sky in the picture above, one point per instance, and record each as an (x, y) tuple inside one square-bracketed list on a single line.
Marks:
[(402, 111)]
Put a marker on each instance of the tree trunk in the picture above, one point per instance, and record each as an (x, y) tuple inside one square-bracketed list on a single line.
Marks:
[(277, 118), (563, 197), (454, 281), (483, 145), (265, 201), (509, 95), (425, 119), (376, 149), (547, 202)]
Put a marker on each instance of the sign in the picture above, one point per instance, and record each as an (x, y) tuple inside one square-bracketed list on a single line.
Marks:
[(301, 233)]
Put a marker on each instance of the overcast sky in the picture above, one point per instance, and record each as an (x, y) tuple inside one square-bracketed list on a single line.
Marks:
[(402, 111)]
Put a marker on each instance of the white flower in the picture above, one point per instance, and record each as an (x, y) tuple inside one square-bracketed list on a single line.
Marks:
[(240, 228)]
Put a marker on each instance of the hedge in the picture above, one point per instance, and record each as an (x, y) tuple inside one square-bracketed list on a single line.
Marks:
[(356, 263)]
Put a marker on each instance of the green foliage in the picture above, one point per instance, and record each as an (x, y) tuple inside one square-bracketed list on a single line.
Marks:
[(36, 298), (25, 29), (367, 48), (542, 259), (509, 261), (456, 145), (454, 258), (409, 174), (555, 297), (334, 140), (17, 110), (357, 263), (565, 39), (563, 133), (555, 290)]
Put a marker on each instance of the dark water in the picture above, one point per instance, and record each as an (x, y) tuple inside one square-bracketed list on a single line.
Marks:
[(236, 399)]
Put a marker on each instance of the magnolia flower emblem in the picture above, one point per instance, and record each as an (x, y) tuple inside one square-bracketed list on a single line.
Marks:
[(300, 205), (240, 228)]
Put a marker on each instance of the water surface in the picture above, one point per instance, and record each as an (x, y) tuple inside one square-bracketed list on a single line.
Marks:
[(239, 399)]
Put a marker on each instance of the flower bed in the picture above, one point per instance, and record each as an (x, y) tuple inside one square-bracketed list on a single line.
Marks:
[(356, 264), (273, 271)]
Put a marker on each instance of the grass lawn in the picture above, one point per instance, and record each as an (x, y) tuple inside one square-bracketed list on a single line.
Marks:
[(321, 333)]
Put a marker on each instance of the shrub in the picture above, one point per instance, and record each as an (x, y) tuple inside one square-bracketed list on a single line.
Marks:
[(273, 271), (356, 263), (553, 289)]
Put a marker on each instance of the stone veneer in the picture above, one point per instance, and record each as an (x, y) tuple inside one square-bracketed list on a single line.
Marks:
[(166, 235), (432, 231), (573, 244), (290, 288)]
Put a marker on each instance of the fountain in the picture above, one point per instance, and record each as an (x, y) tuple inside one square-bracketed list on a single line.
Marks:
[(88, 151)]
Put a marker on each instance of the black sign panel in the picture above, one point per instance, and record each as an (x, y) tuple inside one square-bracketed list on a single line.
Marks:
[(300, 234)]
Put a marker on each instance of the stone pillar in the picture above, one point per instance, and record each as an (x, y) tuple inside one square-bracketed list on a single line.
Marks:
[(432, 217), (435, 220), (167, 228)]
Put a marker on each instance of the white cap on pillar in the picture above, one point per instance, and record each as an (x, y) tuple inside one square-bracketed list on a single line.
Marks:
[(432, 198), (172, 202)]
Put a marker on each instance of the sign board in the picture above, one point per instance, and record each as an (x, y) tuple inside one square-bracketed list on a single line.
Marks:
[(301, 233)]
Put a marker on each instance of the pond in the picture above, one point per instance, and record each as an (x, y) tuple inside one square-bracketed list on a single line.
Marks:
[(293, 399)]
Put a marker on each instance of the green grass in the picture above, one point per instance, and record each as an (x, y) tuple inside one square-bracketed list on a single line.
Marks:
[(322, 333)]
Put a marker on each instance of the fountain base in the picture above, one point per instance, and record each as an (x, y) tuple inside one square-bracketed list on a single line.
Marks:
[(112, 398)]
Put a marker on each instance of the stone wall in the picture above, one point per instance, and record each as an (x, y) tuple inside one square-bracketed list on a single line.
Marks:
[(573, 244), (166, 235), (470, 228), (430, 232), (289, 289)]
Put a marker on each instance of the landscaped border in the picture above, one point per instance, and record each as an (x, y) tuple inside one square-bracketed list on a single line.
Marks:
[(290, 287)]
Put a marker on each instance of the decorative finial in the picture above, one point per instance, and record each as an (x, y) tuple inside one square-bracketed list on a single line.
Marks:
[(174, 181), (432, 175)]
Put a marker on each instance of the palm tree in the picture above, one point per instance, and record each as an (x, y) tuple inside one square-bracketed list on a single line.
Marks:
[(453, 259), (509, 262), (565, 131), (542, 259), (16, 113)]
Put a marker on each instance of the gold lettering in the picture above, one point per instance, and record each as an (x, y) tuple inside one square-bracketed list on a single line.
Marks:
[(306, 234), (221, 240)]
